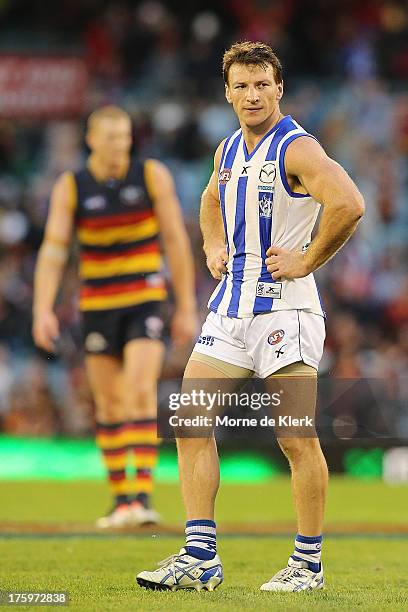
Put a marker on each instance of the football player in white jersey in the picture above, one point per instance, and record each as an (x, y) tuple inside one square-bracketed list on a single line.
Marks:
[(257, 214)]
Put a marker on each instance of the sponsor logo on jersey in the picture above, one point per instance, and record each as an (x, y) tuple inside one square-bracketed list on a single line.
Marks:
[(266, 188), (95, 342), (131, 195), (153, 327), (206, 340), (269, 290), (267, 173), (265, 204), (154, 280), (276, 336), (225, 176), (96, 202)]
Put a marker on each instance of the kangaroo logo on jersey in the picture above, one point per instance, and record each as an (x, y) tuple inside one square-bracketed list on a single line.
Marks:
[(131, 195), (225, 176), (267, 173), (265, 204)]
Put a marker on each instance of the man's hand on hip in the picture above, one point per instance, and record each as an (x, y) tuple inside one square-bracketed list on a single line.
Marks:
[(282, 263), (217, 258)]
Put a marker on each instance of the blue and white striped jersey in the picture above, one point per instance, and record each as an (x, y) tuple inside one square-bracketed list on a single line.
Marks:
[(259, 210)]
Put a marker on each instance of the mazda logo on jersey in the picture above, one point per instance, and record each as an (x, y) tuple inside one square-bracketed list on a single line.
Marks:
[(225, 176), (268, 173)]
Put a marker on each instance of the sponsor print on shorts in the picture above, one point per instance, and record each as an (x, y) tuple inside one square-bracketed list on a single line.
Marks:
[(153, 327), (276, 336), (206, 340), (95, 342)]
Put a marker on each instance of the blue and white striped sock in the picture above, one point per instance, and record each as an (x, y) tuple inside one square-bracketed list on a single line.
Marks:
[(201, 541), (309, 549)]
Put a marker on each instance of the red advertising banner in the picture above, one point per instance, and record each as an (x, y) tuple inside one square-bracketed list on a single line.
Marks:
[(42, 86)]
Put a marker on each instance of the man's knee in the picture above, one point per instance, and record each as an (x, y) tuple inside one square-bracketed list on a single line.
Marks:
[(140, 397), (296, 449), (187, 445), (109, 408)]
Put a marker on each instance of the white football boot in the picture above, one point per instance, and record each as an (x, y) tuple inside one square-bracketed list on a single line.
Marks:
[(295, 577), (139, 515), (119, 517), (182, 571)]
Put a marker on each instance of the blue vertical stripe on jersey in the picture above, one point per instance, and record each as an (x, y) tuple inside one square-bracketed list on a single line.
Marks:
[(238, 264), (286, 125), (282, 170), (248, 156), (229, 160), (264, 304), (224, 150)]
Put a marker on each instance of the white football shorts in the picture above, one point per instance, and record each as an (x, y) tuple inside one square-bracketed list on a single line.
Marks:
[(266, 342)]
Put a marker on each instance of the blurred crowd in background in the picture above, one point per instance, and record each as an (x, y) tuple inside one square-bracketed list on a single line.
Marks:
[(345, 70)]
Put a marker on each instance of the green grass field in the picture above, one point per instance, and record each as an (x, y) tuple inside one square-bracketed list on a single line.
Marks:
[(362, 572)]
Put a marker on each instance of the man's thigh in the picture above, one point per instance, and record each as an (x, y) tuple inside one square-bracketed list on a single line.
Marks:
[(295, 413)]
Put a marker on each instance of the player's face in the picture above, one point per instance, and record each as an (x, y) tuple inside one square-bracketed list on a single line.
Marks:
[(111, 139), (253, 93)]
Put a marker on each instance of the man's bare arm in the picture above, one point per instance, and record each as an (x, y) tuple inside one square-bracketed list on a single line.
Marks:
[(343, 206), (177, 249), (211, 223), (51, 260)]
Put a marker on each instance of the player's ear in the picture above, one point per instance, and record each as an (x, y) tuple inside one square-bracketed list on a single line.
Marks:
[(89, 139), (280, 91), (227, 94)]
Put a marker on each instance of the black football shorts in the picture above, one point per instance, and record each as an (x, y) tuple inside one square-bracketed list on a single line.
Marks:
[(105, 332)]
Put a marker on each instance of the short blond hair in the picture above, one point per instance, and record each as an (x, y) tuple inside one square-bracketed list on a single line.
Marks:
[(251, 53), (106, 112)]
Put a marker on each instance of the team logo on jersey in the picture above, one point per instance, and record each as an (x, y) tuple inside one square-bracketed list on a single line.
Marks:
[(225, 176), (95, 202), (154, 327), (265, 204), (276, 336), (131, 195), (267, 173), (95, 342)]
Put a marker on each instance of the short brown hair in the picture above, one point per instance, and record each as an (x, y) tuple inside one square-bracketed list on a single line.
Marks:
[(247, 53), (106, 112)]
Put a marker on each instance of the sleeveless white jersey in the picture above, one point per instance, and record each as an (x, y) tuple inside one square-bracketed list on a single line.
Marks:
[(259, 210)]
